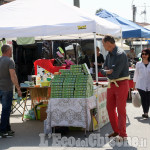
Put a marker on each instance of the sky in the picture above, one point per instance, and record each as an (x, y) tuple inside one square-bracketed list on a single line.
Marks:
[(122, 8)]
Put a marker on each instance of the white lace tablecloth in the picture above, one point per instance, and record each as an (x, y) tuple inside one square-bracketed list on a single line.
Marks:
[(73, 112)]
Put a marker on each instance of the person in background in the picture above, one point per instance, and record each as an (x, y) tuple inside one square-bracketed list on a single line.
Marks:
[(142, 80), (100, 60), (84, 59), (131, 55), (68, 62), (7, 79), (117, 70)]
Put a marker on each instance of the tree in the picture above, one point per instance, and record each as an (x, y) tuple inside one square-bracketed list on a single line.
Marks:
[(99, 10)]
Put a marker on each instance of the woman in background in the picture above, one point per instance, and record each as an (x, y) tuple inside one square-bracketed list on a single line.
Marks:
[(142, 80)]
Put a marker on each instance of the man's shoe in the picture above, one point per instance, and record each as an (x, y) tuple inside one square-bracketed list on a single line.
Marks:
[(9, 134), (11, 131), (2, 135), (113, 135), (145, 116), (121, 139)]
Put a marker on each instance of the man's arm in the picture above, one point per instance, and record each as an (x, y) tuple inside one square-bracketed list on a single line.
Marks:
[(14, 79), (103, 71)]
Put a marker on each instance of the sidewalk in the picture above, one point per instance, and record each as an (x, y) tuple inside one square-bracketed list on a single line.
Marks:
[(27, 134)]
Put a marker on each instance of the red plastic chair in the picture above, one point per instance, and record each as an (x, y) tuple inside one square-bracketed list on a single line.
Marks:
[(47, 64)]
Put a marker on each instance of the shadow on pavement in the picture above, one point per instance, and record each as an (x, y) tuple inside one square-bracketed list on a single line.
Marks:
[(142, 120)]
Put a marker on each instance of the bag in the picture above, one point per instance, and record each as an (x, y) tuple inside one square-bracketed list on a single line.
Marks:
[(136, 98), (29, 114)]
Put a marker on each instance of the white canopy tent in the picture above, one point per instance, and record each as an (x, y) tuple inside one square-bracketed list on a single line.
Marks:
[(27, 18), (52, 19)]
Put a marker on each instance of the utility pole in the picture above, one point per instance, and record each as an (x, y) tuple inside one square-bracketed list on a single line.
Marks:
[(77, 3), (144, 12), (134, 12)]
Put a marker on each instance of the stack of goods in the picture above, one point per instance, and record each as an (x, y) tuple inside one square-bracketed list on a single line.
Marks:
[(68, 86), (76, 70), (83, 86), (84, 81), (74, 83), (57, 86)]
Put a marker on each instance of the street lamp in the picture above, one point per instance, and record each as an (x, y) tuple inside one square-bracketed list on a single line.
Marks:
[(77, 3)]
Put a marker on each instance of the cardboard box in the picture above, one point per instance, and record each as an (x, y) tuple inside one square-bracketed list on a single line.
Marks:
[(41, 112)]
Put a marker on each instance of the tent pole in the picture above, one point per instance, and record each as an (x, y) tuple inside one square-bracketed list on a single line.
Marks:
[(52, 47), (131, 43), (77, 53), (121, 40), (96, 67), (96, 71), (141, 44)]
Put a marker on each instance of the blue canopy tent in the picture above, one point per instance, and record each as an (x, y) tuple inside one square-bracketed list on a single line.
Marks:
[(129, 28)]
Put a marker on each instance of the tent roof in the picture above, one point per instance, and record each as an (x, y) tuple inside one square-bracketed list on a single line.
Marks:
[(147, 27), (129, 28), (54, 18)]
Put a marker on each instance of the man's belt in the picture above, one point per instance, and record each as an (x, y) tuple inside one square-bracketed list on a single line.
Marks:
[(119, 79)]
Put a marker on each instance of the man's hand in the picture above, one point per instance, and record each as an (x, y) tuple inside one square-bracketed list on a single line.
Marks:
[(99, 64), (109, 71), (19, 92), (134, 89), (106, 68)]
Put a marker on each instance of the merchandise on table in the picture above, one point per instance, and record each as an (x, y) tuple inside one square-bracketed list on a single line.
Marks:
[(55, 91), (58, 80), (70, 80), (57, 83), (45, 83), (68, 86), (69, 83), (74, 83), (57, 88), (75, 66), (65, 72), (67, 92)]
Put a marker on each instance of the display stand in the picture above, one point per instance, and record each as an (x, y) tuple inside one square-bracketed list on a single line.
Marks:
[(74, 112)]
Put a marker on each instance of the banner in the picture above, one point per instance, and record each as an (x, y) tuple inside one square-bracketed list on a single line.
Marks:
[(101, 95), (103, 115)]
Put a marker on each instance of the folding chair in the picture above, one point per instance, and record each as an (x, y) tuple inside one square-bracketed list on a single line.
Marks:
[(17, 103)]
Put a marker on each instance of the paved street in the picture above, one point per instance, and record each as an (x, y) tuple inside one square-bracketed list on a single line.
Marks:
[(27, 134)]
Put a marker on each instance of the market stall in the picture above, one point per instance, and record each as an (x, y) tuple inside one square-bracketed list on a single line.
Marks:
[(73, 98), (76, 112), (49, 24)]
